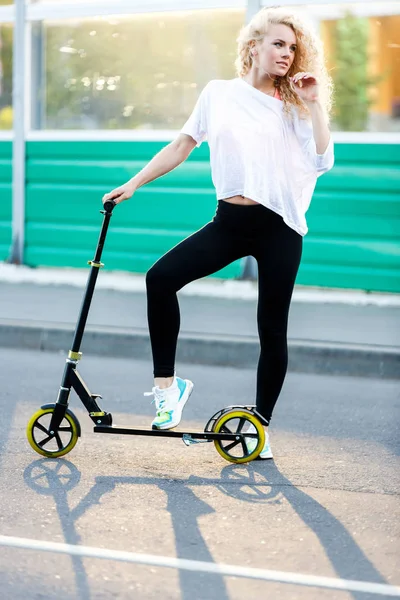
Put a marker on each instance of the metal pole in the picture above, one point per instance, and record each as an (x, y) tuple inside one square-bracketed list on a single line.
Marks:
[(18, 180), (37, 74), (253, 6), (249, 264)]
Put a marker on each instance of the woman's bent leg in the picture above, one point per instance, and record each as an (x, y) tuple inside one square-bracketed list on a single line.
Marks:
[(203, 253), (278, 261)]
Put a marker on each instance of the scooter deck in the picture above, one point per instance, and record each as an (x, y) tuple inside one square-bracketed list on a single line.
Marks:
[(195, 435)]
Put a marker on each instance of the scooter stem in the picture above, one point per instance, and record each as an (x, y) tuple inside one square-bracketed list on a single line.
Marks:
[(94, 271)]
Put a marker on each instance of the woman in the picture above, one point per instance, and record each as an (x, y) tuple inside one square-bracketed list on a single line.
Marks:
[(269, 141)]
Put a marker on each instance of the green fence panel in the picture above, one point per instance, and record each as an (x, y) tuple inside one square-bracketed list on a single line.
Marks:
[(354, 221), (354, 218), (65, 184), (6, 198)]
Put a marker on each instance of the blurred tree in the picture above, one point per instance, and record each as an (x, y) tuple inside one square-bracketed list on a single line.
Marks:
[(351, 80), (6, 42), (6, 117), (143, 72)]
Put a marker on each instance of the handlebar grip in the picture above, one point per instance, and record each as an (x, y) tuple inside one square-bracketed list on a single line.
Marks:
[(109, 205)]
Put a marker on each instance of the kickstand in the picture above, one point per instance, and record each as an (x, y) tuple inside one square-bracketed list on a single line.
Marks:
[(188, 440)]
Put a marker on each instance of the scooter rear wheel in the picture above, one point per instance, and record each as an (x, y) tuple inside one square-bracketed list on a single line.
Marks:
[(58, 443), (241, 450)]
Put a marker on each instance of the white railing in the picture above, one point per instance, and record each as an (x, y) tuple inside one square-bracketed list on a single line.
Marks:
[(167, 135), (71, 10), (320, 9)]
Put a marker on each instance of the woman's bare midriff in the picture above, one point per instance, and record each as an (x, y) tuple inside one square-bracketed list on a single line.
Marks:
[(240, 200)]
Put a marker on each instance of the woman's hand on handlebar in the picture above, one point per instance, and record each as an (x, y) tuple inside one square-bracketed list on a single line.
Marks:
[(121, 193)]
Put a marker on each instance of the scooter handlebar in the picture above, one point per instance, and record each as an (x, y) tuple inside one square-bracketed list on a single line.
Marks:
[(109, 205)]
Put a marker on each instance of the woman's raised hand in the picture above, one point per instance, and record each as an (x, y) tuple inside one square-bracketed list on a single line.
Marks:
[(121, 193), (306, 86)]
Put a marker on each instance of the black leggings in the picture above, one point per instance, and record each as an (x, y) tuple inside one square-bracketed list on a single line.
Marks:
[(235, 231)]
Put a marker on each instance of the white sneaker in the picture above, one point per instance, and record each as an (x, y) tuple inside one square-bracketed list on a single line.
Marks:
[(251, 444), (170, 403)]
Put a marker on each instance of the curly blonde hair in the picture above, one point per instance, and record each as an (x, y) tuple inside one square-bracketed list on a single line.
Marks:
[(309, 56)]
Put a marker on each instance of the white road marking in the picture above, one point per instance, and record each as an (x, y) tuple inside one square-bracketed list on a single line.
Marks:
[(204, 567)]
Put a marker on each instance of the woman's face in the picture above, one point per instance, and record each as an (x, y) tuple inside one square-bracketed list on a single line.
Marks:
[(275, 53)]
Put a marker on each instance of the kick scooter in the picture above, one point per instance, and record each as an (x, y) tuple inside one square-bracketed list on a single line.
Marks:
[(54, 429)]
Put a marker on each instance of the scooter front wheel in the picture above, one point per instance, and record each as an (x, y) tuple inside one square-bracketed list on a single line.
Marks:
[(246, 447), (56, 443)]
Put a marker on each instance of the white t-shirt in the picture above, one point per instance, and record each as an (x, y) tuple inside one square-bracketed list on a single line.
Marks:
[(256, 151)]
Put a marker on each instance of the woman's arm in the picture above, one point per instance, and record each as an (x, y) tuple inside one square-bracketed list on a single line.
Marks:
[(165, 161), (321, 131), (306, 87)]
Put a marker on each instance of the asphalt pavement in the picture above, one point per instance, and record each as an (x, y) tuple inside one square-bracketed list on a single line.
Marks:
[(326, 505)]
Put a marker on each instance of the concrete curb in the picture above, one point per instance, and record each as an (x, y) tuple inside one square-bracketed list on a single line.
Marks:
[(305, 356)]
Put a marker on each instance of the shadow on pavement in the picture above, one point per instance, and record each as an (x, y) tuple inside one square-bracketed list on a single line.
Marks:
[(345, 555), (58, 477)]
